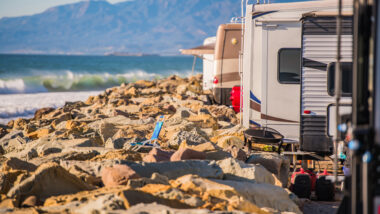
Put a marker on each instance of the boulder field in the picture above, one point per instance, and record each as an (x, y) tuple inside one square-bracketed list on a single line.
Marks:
[(81, 158)]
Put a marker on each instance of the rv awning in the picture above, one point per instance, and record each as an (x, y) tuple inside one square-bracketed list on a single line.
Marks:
[(200, 50)]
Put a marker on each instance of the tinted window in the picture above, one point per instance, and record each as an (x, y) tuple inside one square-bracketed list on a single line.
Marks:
[(289, 60), (346, 79)]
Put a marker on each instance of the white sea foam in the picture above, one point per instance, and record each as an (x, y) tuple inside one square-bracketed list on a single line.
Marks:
[(12, 85), (24, 105), (67, 80)]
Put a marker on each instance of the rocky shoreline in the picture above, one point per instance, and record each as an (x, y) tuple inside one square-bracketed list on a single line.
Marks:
[(78, 158)]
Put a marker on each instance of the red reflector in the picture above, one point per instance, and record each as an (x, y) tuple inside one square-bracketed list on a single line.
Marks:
[(215, 80), (307, 112)]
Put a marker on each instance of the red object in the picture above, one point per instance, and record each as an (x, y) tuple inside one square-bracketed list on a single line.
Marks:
[(215, 80), (312, 175), (235, 98), (307, 112), (300, 171), (324, 173)]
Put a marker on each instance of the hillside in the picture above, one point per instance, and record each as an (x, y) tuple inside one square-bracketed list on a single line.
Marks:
[(98, 27)]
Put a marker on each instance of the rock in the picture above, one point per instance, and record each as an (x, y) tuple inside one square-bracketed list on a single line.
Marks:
[(217, 155), (48, 180), (19, 124), (264, 195), (100, 204), (229, 198), (143, 84), (3, 131), (106, 131), (182, 113), (274, 163), (181, 89), (187, 154), (237, 153), (133, 197), (6, 205), (204, 111), (17, 164), (42, 112), (227, 141), (119, 154), (158, 155), (61, 118), (118, 175), (190, 137), (39, 133), (204, 121), (153, 207), (172, 170), (141, 182), (223, 113), (30, 201), (239, 171), (16, 143), (176, 169), (9, 178), (115, 144), (84, 202), (203, 147)]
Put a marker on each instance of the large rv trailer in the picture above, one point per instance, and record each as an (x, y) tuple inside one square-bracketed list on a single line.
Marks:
[(221, 69), (226, 62), (272, 62), (319, 49)]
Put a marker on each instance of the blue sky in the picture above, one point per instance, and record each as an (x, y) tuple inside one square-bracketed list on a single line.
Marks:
[(12, 8)]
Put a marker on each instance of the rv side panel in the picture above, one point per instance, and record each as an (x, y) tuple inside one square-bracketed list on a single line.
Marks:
[(319, 45)]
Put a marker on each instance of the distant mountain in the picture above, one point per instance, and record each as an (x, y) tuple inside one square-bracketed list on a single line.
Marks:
[(98, 27)]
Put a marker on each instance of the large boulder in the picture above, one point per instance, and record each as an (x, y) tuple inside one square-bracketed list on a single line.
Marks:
[(266, 196), (48, 180), (228, 198), (158, 155), (237, 170), (274, 163), (118, 175)]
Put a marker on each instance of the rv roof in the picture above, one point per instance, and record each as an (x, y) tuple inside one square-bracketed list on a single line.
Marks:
[(312, 5), (200, 50)]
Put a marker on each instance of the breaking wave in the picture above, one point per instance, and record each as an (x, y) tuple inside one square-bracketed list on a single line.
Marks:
[(69, 81)]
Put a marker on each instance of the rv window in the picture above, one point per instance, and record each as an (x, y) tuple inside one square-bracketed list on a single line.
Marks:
[(346, 79), (289, 65)]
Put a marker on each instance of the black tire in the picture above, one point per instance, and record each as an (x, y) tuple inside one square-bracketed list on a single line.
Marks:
[(302, 186), (324, 189)]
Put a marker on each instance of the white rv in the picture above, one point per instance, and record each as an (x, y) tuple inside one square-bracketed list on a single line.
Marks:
[(272, 64)]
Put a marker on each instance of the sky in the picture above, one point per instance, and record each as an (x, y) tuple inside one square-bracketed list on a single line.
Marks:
[(12, 8)]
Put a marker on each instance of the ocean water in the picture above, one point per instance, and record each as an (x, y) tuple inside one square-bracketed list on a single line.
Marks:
[(30, 82)]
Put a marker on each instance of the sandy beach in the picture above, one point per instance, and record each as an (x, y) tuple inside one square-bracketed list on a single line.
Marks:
[(81, 158)]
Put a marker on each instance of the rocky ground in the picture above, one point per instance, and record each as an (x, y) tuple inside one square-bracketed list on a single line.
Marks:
[(78, 158)]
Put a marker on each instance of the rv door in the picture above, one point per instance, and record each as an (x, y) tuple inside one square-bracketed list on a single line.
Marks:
[(281, 106)]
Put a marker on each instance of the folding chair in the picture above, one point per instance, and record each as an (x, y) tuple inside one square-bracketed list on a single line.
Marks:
[(152, 142)]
